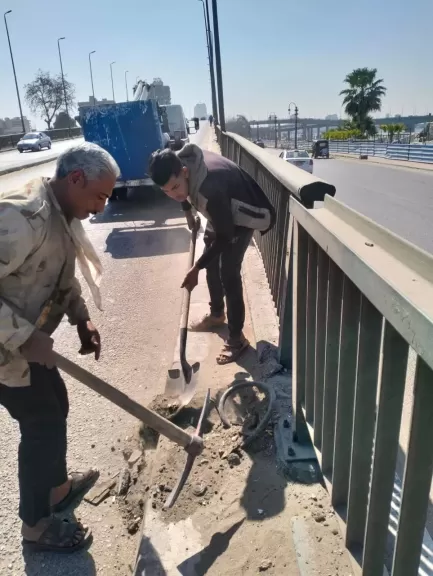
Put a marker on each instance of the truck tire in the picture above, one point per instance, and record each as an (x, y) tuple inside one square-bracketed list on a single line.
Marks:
[(119, 194)]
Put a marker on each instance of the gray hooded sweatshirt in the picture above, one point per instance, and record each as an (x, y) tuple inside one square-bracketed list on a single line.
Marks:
[(226, 195)]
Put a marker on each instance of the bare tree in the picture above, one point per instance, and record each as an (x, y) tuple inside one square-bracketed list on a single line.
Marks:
[(45, 95)]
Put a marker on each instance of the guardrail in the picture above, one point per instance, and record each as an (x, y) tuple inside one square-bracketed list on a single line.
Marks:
[(361, 298), (358, 299), (279, 180), (409, 152), (8, 142)]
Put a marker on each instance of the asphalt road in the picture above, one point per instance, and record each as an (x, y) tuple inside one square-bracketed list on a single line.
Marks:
[(143, 243), (401, 199), (13, 159)]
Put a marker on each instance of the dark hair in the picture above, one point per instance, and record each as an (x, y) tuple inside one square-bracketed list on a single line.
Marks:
[(164, 164)]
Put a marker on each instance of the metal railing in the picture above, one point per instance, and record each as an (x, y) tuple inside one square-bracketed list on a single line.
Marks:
[(359, 300), (9, 141), (409, 152), (362, 297), (279, 180)]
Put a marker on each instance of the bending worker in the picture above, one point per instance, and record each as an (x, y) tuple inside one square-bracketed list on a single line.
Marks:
[(41, 237), (235, 206)]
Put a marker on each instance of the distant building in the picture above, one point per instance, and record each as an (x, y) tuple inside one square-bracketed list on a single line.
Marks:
[(13, 125), (160, 92), (200, 110), (94, 102), (332, 117)]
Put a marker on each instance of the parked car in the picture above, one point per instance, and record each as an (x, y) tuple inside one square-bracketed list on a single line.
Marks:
[(320, 148), (299, 158), (34, 141), (259, 143)]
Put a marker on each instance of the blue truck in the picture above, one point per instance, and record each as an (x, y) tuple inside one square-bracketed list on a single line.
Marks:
[(130, 132)]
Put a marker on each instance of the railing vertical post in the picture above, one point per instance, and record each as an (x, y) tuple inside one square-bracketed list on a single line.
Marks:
[(286, 317), (394, 366), (370, 337), (319, 375), (333, 321), (300, 263), (310, 358), (417, 477), (345, 392)]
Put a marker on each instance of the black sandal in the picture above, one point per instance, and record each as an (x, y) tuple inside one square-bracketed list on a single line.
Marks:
[(59, 537), (81, 483)]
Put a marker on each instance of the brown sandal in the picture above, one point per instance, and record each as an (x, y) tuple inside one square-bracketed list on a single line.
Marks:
[(231, 352), (60, 536), (81, 483)]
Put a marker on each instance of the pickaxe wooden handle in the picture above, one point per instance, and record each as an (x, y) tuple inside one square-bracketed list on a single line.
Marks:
[(193, 444)]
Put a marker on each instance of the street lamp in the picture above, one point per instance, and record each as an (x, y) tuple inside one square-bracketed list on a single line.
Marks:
[(274, 118), (91, 75), (126, 85), (64, 87), (210, 58), (296, 122), (112, 83), (13, 68)]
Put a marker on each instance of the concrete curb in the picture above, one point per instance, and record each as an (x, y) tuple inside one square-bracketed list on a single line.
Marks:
[(381, 162), (25, 166)]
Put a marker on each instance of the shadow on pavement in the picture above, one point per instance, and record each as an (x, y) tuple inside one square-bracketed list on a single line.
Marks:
[(76, 564), (147, 242), (148, 561), (200, 563), (151, 205)]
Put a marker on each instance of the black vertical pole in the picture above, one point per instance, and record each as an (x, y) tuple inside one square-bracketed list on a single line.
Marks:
[(211, 64), (222, 119), (296, 127)]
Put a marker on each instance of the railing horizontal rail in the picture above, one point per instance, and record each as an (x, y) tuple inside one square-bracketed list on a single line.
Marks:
[(362, 298)]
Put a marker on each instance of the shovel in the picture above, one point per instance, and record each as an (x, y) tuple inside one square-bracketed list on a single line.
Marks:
[(181, 380)]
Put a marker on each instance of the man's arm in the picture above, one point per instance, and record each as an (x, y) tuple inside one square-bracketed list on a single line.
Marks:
[(220, 212), (16, 243), (77, 310)]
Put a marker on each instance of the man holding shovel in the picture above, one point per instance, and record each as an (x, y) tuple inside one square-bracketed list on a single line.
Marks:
[(41, 237), (235, 206)]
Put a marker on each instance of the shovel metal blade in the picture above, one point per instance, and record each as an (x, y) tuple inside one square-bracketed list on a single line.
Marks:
[(181, 383)]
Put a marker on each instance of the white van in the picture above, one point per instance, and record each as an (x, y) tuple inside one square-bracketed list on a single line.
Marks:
[(176, 126)]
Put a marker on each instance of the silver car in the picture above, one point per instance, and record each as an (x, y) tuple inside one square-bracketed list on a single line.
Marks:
[(299, 158), (34, 141)]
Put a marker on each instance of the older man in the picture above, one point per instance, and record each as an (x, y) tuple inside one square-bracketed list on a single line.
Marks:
[(41, 237)]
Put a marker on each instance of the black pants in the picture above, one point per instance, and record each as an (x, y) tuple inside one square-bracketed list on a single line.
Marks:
[(41, 410), (224, 279)]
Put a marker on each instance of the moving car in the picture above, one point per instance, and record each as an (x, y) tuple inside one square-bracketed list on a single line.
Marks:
[(299, 158), (34, 141), (259, 143), (321, 148)]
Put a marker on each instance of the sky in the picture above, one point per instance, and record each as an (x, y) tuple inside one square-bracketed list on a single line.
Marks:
[(272, 51)]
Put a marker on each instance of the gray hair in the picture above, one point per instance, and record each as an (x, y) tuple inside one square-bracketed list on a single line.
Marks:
[(93, 160)]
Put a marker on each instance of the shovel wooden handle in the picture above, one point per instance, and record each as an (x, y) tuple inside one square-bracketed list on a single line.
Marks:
[(150, 418)]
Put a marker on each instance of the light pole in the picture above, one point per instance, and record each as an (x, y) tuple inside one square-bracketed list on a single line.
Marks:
[(296, 122), (126, 85), (13, 68), (210, 58), (64, 87), (91, 75), (112, 83), (219, 75), (274, 118)]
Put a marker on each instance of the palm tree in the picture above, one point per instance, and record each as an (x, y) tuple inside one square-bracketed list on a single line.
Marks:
[(363, 96)]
